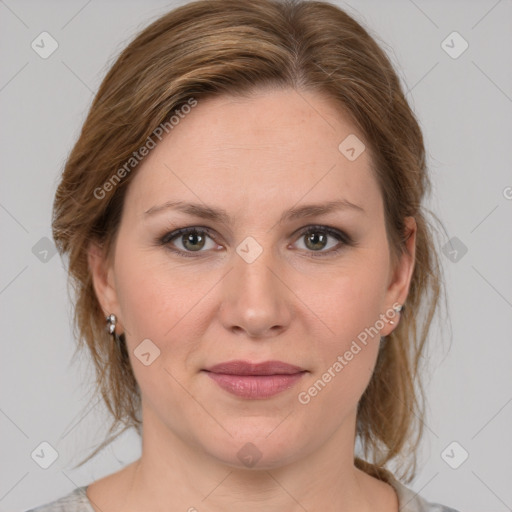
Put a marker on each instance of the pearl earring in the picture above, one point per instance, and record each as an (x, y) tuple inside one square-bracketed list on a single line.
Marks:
[(111, 324), (397, 309)]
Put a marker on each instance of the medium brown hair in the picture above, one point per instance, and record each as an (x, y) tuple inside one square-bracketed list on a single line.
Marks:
[(214, 47)]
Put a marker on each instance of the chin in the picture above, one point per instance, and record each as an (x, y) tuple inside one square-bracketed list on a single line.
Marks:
[(257, 450)]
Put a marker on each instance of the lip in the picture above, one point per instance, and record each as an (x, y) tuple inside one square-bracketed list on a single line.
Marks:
[(239, 367), (255, 380)]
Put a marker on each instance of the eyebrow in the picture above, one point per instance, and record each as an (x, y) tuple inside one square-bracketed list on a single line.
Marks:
[(220, 215)]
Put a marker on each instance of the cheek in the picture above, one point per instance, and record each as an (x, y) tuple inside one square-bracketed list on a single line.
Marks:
[(351, 299), (153, 295), (344, 359), (349, 303), (161, 302), (156, 306)]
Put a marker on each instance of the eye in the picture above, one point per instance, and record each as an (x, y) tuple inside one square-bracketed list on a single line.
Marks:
[(188, 240), (316, 240)]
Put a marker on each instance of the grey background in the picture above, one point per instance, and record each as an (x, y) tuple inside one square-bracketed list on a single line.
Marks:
[(464, 106)]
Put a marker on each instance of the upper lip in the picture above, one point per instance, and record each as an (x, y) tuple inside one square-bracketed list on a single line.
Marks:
[(238, 367)]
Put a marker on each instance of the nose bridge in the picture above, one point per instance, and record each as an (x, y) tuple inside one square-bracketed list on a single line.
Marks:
[(254, 272), (255, 300)]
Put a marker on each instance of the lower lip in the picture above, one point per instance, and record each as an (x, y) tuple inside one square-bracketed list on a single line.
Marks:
[(255, 386)]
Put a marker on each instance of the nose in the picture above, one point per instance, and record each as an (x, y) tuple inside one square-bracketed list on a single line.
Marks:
[(255, 299)]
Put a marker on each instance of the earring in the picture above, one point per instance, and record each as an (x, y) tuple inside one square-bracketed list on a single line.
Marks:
[(111, 329), (397, 309), (111, 324), (118, 340)]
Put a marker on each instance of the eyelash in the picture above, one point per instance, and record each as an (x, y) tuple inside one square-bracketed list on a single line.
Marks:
[(342, 237)]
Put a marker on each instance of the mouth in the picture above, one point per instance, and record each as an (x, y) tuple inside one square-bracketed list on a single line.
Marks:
[(255, 380), (244, 368)]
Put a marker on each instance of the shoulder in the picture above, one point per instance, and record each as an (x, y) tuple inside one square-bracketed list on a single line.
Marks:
[(410, 501), (75, 501)]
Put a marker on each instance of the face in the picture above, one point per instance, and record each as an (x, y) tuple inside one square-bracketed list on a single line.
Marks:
[(256, 274)]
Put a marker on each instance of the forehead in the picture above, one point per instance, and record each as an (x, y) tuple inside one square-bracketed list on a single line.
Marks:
[(249, 153)]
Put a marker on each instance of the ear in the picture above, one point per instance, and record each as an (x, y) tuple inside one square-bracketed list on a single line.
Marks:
[(102, 274), (401, 276)]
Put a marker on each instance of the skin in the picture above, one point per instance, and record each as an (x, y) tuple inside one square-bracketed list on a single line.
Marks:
[(254, 157)]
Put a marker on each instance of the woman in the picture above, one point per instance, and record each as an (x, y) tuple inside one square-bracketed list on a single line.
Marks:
[(243, 218)]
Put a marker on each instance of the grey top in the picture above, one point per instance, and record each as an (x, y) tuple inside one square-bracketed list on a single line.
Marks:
[(408, 501)]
